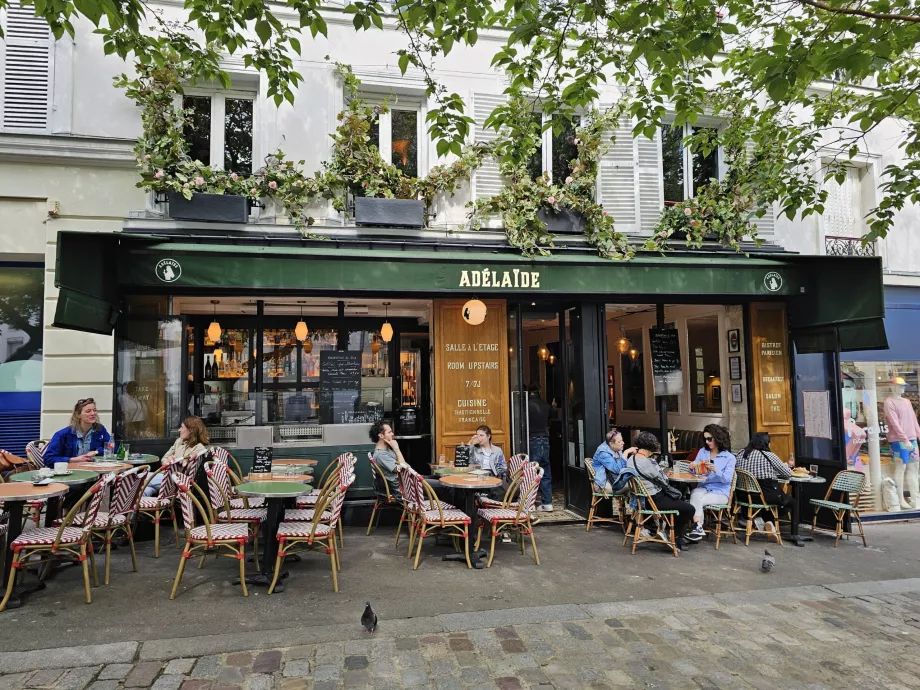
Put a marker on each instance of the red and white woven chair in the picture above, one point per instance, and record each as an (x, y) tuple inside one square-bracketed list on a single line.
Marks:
[(385, 498), (160, 506), (514, 516), (327, 479), (433, 518), (315, 535), (307, 514), (218, 475), (67, 539), (236, 474), (35, 453), (223, 540), (515, 466), (407, 478)]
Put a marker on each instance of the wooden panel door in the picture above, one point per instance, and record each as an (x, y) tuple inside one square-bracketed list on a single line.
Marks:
[(470, 371), (770, 372)]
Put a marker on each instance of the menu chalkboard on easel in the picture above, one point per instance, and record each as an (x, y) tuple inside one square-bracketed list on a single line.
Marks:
[(666, 369), (462, 455), (261, 460), (339, 385)]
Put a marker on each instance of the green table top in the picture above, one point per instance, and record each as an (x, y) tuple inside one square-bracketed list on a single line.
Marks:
[(75, 477), (141, 459), (274, 489)]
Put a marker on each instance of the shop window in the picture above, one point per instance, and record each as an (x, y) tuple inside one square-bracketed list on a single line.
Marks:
[(556, 148), (397, 134), (684, 170), (632, 368), (219, 129), (705, 370), (21, 298)]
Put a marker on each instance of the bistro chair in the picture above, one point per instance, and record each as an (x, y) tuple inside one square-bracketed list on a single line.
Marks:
[(35, 454), (67, 539), (226, 540), (306, 514), (236, 473), (327, 478), (406, 477), (515, 465), (384, 498), (163, 504), (644, 518), (722, 511), (514, 517), (434, 517), (746, 483), (219, 492), (598, 496), (852, 483)]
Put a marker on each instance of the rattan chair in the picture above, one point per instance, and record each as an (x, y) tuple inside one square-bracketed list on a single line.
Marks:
[(221, 454), (50, 543), (514, 516), (384, 497), (218, 475), (721, 511), (162, 505), (433, 518), (598, 496), (327, 478), (745, 482), (852, 483), (647, 512), (35, 454), (227, 540)]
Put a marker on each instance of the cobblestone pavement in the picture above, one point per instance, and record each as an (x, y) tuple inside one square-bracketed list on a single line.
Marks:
[(859, 636)]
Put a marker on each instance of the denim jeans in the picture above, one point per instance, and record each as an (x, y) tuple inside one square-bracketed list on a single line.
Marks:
[(539, 453)]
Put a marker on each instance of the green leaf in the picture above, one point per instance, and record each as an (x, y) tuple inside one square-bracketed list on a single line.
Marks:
[(90, 9), (263, 31), (295, 44), (403, 62)]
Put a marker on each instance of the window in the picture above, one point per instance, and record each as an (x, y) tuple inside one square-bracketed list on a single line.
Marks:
[(397, 135), (632, 368), (219, 130), (556, 149), (705, 371), (683, 170)]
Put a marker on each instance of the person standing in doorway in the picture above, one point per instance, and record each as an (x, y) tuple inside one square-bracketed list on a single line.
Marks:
[(538, 414)]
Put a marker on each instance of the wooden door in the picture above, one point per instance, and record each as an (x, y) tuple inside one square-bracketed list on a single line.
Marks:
[(770, 372)]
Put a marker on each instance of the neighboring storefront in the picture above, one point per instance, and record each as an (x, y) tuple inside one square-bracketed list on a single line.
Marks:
[(214, 326)]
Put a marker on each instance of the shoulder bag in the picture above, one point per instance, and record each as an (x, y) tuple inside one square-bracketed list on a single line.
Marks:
[(8, 461), (670, 491)]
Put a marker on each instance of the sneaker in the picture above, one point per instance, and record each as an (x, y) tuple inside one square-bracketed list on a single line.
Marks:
[(758, 523), (506, 538), (645, 534), (698, 531), (546, 508), (692, 537)]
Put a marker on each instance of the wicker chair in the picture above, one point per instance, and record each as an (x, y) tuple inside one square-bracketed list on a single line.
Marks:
[(236, 473), (67, 539), (852, 483), (514, 517), (433, 517), (226, 540), (218, 475), (719, 511), (745, 482), (385, 499), (646, 511), (326, 479), (162, 505), (35, 453), (598, 496), (515, 465)]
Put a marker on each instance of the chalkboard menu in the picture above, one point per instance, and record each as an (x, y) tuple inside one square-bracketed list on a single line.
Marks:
[(339, 386), (666, 371), (262, 460), (462, 456)]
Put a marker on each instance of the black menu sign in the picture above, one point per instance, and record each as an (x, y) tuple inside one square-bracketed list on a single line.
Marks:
[(666, 371), (462, 456), (262, 460), (339, 385)]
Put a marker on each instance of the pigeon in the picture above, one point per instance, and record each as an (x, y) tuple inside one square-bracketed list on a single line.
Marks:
[(766, 565), (369, 619)]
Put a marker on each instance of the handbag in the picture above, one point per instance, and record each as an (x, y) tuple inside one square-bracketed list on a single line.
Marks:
[(9, 461), (669, 491)]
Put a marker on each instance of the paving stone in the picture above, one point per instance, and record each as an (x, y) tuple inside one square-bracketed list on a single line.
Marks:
[(293, 684), (513, 646), (231, 675), (259, 681), (179, 666), (267, 662), (357, 679), (206, 667), (104, 685), (44, 679), (238, 659), (406, 643), (296, 669), (355, 663), (414, 677), (143, 675), (301, 652), (196, 685), (508, 683), (76, 678), (168, 682), (460, 644), (115, 671), (326, 672)]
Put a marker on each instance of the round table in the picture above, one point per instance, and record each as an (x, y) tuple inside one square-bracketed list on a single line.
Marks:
[(300, 478), (275, 493), (449, 470), (14, 495), (75, 477), (687, 477), (296, 461), (469, 483), (797, 483), (99, 467), (141, 459)]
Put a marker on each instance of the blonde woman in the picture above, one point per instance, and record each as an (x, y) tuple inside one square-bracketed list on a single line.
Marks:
[(82, 440), (193, 438)]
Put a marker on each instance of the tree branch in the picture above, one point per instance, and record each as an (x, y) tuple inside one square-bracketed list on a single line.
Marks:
[(861, 13)]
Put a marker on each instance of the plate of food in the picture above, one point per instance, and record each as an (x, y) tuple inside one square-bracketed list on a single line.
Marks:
[(800, 472)]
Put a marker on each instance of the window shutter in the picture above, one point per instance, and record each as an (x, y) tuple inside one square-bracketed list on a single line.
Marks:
[(618, 183), (487, 182), (28, 69), (651, 182)]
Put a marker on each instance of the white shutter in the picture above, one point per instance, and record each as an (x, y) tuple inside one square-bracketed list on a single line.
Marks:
[(651, 182), (28, 70), (766, 224), (618, 183), (487, 182)]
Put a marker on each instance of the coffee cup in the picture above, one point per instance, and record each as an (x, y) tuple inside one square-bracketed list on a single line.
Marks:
[(60, 468), (45, 472)]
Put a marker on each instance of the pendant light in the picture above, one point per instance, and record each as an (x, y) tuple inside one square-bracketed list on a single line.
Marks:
[(300, 330), (552, 360), (214, 329), (474, 312), (375, 345), (634, 354), (386, 330), (622, 342), (543, 352)]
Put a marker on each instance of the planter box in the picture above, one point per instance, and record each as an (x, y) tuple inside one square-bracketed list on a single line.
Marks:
[(563, 222), (216, 208), (390, 213)]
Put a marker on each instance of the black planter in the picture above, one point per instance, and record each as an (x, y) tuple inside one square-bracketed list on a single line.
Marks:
[(215, 208), (563, 222), (390, 213)]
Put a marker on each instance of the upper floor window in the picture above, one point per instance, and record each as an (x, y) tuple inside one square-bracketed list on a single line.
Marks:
[(27, 62), (683, 170), (219, 130), (397, 134), (556, 149)]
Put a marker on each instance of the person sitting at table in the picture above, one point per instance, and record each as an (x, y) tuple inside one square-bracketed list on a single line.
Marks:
[(193, 439), (608, 460), (387, 454), (641, 459), (718, 463), (81, 440), (767, 468)]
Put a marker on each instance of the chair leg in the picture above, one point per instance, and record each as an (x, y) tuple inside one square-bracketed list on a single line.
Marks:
[(839, 516), (336, 553), (341, 534), (370, 525), (861, 533), (175, 531), (478, 537), (590, 515), (178, 579), (108, 555), (533, 544), (420, 535), (10, 583), (466, 547), (814, 522), (402, 519), (413, 535), (718, 519), (255, 546), (333, 561), (279, 559), (491, 548), (202, 558), (92, 560), (85, 567), (133, 552), (241, 556)]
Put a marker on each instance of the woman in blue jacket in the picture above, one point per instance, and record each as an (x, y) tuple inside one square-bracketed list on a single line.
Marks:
[(83, 439)]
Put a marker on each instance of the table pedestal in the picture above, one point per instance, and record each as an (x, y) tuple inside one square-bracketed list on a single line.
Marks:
[(794, 527), (270, 547), (469, 507)]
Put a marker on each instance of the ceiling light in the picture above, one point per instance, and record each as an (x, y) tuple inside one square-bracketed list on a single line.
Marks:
[(386, 330), (214, 329), (300, 330)]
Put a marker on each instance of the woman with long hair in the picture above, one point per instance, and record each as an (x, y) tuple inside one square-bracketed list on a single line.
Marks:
[(718, 463), (80, 441), (193, 438)]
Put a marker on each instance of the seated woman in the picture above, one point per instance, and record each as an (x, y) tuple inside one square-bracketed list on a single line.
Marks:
[(82, 440), (193, 438), (767, 468), (715, 460), (641, 459), (608, 460)]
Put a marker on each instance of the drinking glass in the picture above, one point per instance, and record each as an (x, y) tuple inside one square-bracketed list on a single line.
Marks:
[(109, 450), (127, 447), (813, 470)]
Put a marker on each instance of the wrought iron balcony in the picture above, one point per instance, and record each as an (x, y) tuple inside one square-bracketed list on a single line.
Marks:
[(847, 246)]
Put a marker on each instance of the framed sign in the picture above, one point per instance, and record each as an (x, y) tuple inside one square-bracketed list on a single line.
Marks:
[(261, 460), (734, 368), (734, 340), (736, 393)]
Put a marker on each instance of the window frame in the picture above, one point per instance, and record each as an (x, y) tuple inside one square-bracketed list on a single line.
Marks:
[(546, 136), (385, 123), (218, 116), (687, 156)]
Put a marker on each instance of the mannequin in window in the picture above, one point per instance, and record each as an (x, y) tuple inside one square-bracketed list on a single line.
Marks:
[(903, 432), (855, 436)]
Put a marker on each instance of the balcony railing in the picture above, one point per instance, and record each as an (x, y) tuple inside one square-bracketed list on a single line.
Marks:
[(847, 246)]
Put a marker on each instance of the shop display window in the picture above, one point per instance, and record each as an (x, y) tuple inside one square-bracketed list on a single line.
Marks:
[(632, 368), (705, 370)]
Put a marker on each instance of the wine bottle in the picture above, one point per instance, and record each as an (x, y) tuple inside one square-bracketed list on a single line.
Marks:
[(207, 368)]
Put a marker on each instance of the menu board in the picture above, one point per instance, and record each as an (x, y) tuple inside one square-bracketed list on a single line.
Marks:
[(339, 386), (666, 371), (261, 460), (462, 455)]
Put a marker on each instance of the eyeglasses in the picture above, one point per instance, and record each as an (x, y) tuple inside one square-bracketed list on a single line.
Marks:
[(708, 438), (85, 401)]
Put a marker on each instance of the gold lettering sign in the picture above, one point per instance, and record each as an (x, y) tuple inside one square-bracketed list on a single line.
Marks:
[(488, 278), (770, 373)]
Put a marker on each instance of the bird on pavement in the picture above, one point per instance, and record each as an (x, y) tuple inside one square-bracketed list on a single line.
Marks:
[(766, 565), (369, 619)]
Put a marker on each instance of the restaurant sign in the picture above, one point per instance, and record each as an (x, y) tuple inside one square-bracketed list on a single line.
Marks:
[(515, 278)]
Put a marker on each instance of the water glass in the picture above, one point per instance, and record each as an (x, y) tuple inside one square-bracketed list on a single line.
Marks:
[(109, 450), (127, 449)]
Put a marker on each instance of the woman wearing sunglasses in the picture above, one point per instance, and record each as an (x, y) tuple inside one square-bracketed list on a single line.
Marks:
[(82, 440), (717, 462)]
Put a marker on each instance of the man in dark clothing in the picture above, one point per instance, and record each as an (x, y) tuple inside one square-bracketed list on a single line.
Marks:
[(538, 414)]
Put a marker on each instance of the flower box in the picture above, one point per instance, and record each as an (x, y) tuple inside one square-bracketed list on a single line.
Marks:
[(390, 213), (215, 208), (563, 221)]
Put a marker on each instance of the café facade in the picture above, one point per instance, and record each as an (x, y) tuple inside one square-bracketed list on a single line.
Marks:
[(301, 344)]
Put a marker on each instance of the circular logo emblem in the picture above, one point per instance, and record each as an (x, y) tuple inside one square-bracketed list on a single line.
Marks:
[(168, 270), (773, 281)]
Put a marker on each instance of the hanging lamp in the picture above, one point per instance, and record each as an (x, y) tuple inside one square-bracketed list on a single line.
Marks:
[(622, 342), (214, 329), (300, 330), (474, 312), (634, 354), (386, 330), (543, 352), (552, 359)]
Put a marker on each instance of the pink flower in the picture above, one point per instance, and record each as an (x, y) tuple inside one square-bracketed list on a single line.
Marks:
[(158, 174), (688, 211), (568, 180), (199, 180), (147, 157), (234, 177), (603, 213), (551, 200), (273, 185), (185, 186)]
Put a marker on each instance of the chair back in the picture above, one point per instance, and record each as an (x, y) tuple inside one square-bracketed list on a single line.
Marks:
[(852, 482), (592, 477), (346, 469), (531, 475), (189, 466), (747, 482), (97, 494), (682, 467), (637, 487), (349, 460), (224, 455), (381, 485), (127, 490), (515, 463), (35, 454), (168, 487), (186, 489), (219, 489), (407, 486)]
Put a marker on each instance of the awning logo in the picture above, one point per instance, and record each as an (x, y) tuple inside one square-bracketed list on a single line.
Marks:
[(168, 270), (773, 281)]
